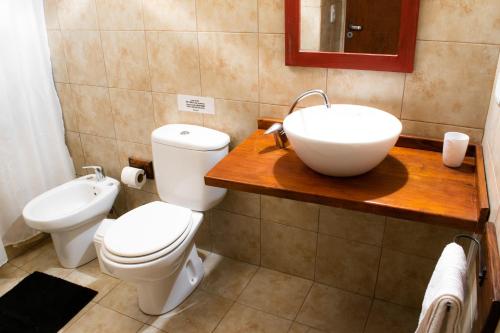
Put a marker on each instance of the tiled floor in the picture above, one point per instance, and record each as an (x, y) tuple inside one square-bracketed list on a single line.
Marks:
[(233, 297)]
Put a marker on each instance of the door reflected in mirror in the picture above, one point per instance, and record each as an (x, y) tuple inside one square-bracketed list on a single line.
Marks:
[(350, 26)]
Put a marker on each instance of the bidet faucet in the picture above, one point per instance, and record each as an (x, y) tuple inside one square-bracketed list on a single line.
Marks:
[(98, 170), (277, 129)]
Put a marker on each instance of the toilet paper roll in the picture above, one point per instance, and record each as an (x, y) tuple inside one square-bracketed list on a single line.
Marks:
[(133, 177)]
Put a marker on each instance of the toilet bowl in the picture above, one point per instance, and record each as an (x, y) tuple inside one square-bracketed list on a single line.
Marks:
[(152, 246), (71, 213), (164, 269)]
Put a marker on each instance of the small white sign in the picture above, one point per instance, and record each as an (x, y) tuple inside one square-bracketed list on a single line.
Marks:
[(196, 104)]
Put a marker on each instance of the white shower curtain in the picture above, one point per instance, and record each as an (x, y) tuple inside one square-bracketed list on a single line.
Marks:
[(33, 154)]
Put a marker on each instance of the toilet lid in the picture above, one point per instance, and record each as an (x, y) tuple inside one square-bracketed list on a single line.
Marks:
[(147, 229)]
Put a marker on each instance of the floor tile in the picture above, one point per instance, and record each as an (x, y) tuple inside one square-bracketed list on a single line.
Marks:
[(102, 320), (226, 277), (201, 312), (334, 310), (31, 253), (10, 275), (244, 319), (276, 293), (90, 275), (149, 329), (301, 328), (47, 262), (123, 299), (391, 318)]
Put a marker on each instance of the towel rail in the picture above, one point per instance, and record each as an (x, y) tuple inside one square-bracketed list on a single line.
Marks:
[(482, 267)]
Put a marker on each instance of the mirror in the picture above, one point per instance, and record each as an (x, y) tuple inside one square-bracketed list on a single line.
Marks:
[(353, 26), (356, 34)]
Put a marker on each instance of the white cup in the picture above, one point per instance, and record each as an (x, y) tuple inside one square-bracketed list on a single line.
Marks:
[(454, 148)]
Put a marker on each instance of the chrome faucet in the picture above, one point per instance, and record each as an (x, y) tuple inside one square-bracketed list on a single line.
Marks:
[(98, 170), (277, 129), (310, 93)]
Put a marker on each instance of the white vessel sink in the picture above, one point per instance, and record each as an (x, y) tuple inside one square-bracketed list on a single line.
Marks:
[(345, 140)]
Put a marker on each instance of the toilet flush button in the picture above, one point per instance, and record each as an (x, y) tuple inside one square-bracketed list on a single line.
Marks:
[(185, 132)]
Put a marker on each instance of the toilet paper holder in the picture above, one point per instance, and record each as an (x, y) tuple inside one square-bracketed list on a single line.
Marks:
[(147, 166)]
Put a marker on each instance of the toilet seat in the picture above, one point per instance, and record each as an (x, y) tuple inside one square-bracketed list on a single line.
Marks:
[(147, 233)]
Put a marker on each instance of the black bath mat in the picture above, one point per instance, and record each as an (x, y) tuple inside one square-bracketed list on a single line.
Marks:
[(41, 303)]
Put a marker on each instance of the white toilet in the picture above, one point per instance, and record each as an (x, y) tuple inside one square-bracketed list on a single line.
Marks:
[(152, 246)]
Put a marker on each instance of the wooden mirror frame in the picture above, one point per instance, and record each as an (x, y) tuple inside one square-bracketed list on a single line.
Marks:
[(401, 62)]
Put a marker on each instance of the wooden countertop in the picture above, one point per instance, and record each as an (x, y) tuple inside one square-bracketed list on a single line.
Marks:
[(411, 183)]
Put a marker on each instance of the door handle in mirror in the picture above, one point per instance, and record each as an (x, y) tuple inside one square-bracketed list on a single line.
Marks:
[(355, 27)]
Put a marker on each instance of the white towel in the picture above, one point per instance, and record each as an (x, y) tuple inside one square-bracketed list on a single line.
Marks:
[(444, 298)]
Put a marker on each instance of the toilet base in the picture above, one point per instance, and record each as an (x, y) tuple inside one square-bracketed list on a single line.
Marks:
[(158, 297), (75, 247)]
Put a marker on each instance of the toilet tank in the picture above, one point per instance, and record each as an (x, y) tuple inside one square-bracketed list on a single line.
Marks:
[(182, 155)]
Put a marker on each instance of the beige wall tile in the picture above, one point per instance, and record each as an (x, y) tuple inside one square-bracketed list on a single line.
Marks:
[(84, 58), (244, 319), (200, 312), (272, 16), (75, 150), (227, 15), (391, 318), (290, 212), (273, 111), (136, 150), (225, 75), (68, 106), (174, 62), (126, 59), (242, 203), (238, 119), (94, 110), (133, 114), (236, 236), (101, 319), (437, 131), (77, 14), (226, 277), (352, 225), (165, 110), (280, 84), (120, 15), (335, 310), (462, 21), (178, 15), (417, 238), (276, 293), (347, 265), (382, 90), (101, 151), (136, 198), (57, 57), (50, 11), (431, 95), (402, 278), (288, 249)]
